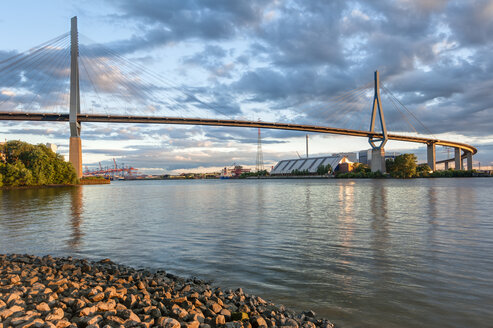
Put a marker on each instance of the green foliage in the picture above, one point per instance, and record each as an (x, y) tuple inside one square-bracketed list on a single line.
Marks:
[(423, 170), (16, 174), (34, 165), (404, 166), (322, 170), (94, 177), (254, 174), (360, 175), (453, 174), (298, 172), (361, 168), (389, 164)]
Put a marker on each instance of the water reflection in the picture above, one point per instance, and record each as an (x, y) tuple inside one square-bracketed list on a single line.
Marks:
[(372, 253), (345, 233), (346, 200), (379, 220), (76, 210), (380, 240), (346, 213)]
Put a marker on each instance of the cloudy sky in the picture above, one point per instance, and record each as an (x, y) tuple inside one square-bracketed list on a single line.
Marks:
[(290, 61)]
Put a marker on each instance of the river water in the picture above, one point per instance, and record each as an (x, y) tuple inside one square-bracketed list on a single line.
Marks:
[(363, 253)]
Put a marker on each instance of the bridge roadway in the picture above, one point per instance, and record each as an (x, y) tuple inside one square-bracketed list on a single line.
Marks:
[(17, 116)]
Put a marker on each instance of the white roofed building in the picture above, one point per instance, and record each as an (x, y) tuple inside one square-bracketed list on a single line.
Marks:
[(53, 147), (311, 164)]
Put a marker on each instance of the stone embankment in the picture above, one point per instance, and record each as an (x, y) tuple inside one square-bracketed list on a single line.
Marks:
[(65, 292)]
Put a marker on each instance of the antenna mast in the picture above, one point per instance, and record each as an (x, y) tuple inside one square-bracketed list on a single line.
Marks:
[(260, 157)]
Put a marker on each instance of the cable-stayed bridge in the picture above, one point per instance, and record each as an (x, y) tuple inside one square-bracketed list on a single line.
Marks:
[(41, 83)]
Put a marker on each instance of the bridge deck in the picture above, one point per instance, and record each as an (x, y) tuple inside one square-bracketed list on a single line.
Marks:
[(218, 122)]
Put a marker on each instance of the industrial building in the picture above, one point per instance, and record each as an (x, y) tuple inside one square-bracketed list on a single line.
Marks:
[(286, 167), (234, 172), (352, 156)]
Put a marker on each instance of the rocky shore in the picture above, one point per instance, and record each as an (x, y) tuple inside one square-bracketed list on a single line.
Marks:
[(66, 292)]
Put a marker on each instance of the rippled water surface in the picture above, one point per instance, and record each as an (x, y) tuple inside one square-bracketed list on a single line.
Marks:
[(364, 253)]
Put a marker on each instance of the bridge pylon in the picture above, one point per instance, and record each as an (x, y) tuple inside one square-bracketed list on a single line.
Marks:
[(75, 146), (377, 144), (431, 155)]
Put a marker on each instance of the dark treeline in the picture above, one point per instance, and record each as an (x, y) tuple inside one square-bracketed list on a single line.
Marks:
[(403, 167), (23, 164)]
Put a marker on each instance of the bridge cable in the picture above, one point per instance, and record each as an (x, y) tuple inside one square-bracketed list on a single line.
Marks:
[(149, 89), (59, 56), (99, 67), (392, 101), (42, 45), (63, 99), (37, 59), (91, 82), (161, 79), (33, 59), (349, 101), (129, 83), (359, 109), (336, 100), (421, 123), (351, 116), (350, 110), (56, 83), (102, 66), (38, 53)]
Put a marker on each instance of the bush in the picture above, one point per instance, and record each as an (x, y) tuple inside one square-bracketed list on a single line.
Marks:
[(254, 174), (404, 166), (298, 172), (34, 165), (16, 175), (322, 170), (360, 175), (360, 167), (452, 174)]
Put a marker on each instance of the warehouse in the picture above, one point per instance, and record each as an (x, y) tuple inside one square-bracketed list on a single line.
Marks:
[(286, 167)]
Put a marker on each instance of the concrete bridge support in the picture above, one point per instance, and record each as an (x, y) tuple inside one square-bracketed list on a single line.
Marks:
[(377, 144), (469, 160), (378, 160), (458, 159), (75, 148), (75, 155), (431, 156)]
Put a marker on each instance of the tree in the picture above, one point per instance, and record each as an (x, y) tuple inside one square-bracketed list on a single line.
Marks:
[(27, 164), (321, 169), (361, 168), (16, 174), (423, 170), (404, 166), (389, 164)]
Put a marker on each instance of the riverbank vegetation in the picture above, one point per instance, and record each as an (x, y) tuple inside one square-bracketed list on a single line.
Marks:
[(24, 164), (403, 167), (261, 173), (92, 180)]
